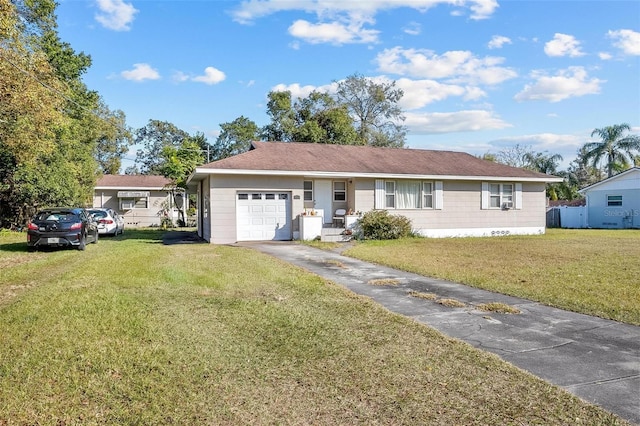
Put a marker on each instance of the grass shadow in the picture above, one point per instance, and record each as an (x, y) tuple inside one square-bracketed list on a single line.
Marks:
[(181, 237), (151, 235), (14, 247)]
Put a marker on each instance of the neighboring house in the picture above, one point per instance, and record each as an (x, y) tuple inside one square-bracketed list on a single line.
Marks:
[(261, 194), (614, 202), (141, 199)]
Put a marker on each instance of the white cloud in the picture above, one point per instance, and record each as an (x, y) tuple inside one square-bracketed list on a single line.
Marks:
[(448, 122), (498, 41), (211, 76), (565, 145), (141, 72), (483, 9), (297, 91), (563, 45), (568, 83), (456, 66), (605, 56), (413, 28), (542, 142), (250, 10), (180, 77), (115, 14), (626, 40), (344, 21), (334, 32), (419, 93)]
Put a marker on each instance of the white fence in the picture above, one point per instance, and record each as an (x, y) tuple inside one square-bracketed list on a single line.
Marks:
[(569, 217)]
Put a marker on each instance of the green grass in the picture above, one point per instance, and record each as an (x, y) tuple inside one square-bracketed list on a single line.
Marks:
[(131, 331), (595, 272)]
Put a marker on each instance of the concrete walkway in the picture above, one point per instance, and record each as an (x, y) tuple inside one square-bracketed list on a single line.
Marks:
[(598, 360)]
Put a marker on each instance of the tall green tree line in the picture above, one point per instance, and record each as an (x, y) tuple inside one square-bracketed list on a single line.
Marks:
[(360, 112), (56, 135)]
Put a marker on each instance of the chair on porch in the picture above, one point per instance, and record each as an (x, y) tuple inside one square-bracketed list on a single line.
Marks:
[(338, 217)]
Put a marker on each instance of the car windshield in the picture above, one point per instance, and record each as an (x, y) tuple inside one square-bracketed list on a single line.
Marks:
[(98, 213), (59, 216)]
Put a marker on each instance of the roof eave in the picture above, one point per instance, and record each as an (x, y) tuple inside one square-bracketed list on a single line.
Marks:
[(607, 180), (200, 174), (147, 188)]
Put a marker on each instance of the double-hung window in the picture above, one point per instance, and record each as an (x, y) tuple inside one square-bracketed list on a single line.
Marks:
[(427, 195), (308, 190), (340, 191), (500, 195), (390, 194), (408, 194)]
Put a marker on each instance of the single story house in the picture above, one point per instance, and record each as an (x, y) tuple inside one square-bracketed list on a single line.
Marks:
[(614, 202), (141, 199), (264, 193)]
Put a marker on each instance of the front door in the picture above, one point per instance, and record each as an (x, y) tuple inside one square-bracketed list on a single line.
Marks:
[(323, 198)]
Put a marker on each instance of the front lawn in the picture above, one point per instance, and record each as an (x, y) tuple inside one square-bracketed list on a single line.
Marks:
[(595, 272), (131, 331)]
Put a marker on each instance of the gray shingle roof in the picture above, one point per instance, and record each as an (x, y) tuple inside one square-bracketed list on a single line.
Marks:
[(310, 157), (132, 181)]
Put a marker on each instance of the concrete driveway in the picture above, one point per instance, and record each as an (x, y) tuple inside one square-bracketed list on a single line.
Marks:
[(596, 359)]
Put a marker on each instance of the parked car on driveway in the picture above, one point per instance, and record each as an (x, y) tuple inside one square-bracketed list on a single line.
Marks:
[(60, 227), (109, 221)]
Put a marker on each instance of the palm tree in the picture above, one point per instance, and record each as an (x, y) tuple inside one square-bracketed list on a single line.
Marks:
[(544, 162), (617, 149)]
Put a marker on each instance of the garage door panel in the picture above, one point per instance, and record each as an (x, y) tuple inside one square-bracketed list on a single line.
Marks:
[(263, 216)]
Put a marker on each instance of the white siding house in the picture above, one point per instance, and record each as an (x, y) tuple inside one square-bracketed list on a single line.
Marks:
[(142, 200), (614, 203)]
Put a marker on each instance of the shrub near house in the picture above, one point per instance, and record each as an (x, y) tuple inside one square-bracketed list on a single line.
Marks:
[(380, 225)]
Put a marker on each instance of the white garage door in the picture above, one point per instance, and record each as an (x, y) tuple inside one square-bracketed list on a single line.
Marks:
[(263, 216)]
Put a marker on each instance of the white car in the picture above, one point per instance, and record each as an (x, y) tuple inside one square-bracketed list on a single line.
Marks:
[(109, 221)]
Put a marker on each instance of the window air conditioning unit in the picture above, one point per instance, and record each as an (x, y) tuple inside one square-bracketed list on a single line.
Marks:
[(127, 205), (507, 205)]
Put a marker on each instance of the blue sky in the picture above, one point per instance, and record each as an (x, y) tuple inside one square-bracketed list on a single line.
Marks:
[(479, 76)]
